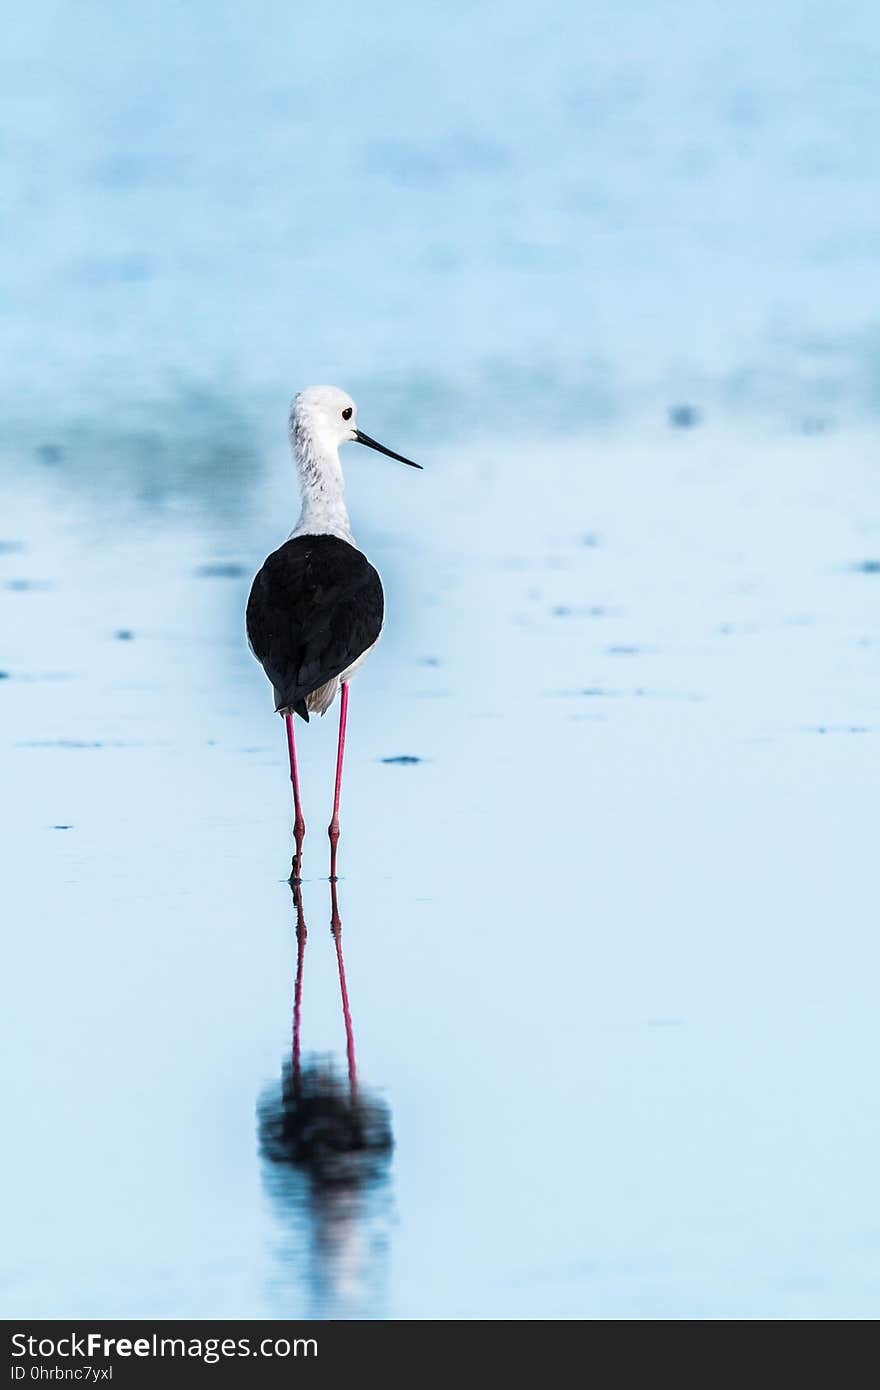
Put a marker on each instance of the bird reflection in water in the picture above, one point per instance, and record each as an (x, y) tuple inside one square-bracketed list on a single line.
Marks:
[(326, 1145)]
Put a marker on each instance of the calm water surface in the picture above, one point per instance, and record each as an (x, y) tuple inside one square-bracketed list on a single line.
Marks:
[(608, 899)]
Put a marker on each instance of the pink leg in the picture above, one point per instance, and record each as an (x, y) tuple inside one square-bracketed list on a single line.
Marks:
[(333, 828), (299, 825), (336, 929)]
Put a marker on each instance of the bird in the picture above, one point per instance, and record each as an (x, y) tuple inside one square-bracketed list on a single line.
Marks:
[(316, 607)]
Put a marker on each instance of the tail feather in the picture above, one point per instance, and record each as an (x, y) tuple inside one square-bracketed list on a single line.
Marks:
[(298, 707)]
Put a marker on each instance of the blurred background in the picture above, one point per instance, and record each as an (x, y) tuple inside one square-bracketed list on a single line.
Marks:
[(608, 902)]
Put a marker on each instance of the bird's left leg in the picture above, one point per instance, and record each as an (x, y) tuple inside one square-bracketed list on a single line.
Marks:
[(333, 828), (299, 825)]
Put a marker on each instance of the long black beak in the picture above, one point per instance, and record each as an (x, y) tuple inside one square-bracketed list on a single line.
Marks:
[(380, 448)]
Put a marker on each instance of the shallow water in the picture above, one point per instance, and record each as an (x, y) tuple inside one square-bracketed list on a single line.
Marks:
[(610, 942), (607, 897)]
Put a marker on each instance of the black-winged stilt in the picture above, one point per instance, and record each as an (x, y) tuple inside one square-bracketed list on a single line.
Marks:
[(316, 607)]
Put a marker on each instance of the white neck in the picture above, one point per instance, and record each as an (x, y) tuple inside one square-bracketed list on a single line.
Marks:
[(322, 487)]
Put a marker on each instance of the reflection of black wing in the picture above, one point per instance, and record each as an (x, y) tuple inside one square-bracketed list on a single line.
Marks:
[(316, 1126), (315, 607)]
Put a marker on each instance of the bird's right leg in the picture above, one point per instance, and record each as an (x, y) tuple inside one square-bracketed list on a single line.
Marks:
[(333, 827), (299, 825)]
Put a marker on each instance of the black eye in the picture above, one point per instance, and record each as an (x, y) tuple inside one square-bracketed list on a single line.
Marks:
[(346, 414)]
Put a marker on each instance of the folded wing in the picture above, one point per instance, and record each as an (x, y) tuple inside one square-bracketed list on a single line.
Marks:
[(314, 608)]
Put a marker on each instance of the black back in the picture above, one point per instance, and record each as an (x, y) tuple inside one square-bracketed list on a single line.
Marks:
[(314, 607)]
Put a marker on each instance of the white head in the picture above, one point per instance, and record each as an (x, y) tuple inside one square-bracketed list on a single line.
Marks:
[(322, 418)]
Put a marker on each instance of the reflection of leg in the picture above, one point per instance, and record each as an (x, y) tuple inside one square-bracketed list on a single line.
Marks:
[(336, 929), (301, 934), (299, 825), (333, 828)]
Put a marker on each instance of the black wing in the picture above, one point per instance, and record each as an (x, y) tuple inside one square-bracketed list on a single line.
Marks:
[(314, 607)]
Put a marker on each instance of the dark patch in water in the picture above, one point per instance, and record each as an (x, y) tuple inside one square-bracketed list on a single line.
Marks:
[(684, 416), (25, 586), (867, 567), (563, 611), (840, 729), (191, 443), (222, 571), (124, 634), (314, 1124), (68, 743), (326, 1152), (639, 692), (326, 1147), (62, 827), (11, 547), (430, 661), (590, 540), (403, 760), (623, 651), (4, 676)]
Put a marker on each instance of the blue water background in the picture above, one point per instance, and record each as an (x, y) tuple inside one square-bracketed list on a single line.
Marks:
[(611, 930)]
